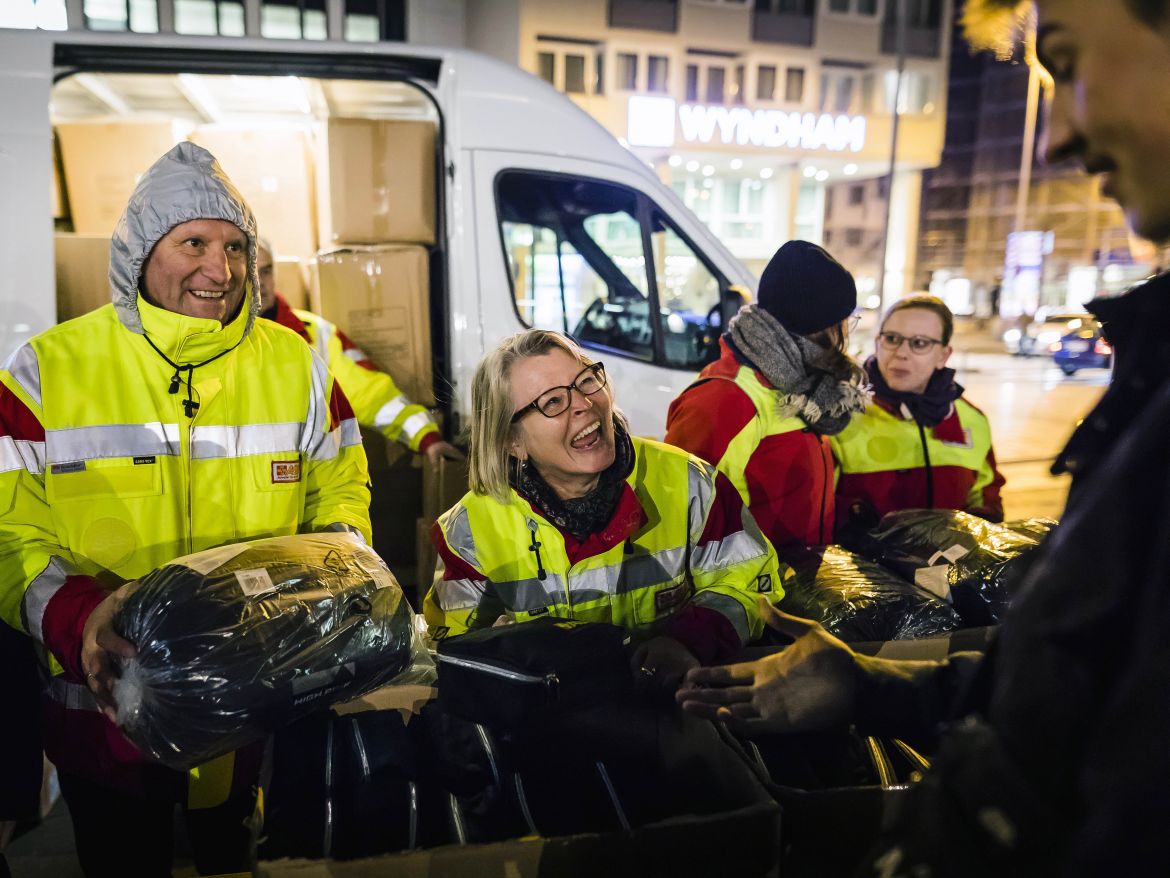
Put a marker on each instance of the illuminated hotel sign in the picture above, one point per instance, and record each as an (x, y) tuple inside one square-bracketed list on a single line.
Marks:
[(651, 122)]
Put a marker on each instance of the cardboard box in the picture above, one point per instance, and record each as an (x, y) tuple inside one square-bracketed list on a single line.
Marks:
[(378, 182), (443, 485), (380, 298), (292, 281), (83, 273), (103, 161), (273, 169)]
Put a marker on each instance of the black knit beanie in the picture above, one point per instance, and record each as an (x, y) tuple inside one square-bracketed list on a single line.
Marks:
[(806, 289)]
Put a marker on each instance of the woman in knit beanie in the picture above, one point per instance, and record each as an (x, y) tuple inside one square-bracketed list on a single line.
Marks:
[(763, 413)]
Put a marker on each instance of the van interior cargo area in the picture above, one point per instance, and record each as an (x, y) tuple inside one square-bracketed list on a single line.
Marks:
[(341, 177)]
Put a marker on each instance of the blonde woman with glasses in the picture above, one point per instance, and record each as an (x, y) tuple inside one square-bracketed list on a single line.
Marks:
[(570, 516), (919, 444)]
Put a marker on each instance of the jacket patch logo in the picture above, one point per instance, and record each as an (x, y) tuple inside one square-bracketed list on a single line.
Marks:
[(539, 611), (149, 458), (286, 471), (670, 598), (74, 466), (764, 583), (967, 442)]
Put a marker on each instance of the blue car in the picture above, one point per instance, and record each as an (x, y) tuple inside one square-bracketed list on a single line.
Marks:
[(1084, 348)]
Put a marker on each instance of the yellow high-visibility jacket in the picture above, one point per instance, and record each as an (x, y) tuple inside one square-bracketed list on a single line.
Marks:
[(377, 402), (680, 537), (103, 477)]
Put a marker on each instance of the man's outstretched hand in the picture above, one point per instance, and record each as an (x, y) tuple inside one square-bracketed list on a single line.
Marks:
[(807, 686)]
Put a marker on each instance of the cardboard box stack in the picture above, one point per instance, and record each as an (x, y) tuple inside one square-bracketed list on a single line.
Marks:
[(103, 160), (83, 273), (273, 169)]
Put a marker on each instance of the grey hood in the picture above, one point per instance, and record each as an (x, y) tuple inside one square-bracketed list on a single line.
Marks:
[(185, 184)]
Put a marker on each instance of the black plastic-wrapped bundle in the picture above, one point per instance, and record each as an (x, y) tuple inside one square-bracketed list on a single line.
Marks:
[(237, 641), (976, 563), (859, 600)]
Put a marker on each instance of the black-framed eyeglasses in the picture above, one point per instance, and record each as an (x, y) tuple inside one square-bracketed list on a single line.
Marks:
[(918, 344), (555, 401)]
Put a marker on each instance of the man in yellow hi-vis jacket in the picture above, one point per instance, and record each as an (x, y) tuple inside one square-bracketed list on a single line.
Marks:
[(167, 422)]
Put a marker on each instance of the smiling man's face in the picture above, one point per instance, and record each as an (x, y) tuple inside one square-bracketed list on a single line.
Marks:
[(1110, 108), (200, 269)]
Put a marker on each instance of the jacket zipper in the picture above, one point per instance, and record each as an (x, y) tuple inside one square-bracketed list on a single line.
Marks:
[(549, 680), (824, 492), (929, 471)]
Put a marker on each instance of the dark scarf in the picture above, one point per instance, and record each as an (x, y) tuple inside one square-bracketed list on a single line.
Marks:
[(798, 368), (581, 516), (929, 408)]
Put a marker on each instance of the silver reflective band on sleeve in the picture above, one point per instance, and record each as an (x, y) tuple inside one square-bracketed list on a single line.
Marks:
[(390, 411), (38, 594), (23, 366), (459, 594), (21, 454), (73, 696), (245, 440), (111, 440), (701, 488), (729, 608), (356, 354), (414, 423), (351, 433), (324, 331), (732, 549), (459, 538)]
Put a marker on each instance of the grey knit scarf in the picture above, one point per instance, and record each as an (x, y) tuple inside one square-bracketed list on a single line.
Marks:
[(799, 368)]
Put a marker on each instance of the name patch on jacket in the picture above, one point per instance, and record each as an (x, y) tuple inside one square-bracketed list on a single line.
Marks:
[(670, 598), (74, 466), (286, 471), (149, 458)]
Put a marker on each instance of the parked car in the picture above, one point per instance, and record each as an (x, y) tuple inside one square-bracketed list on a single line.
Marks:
[(1085, 348), (1045, 329)]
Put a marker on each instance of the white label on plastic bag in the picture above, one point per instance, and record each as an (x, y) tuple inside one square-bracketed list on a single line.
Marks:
[(934, 580), (210, 559), (955, 552), (254, 581), (381, 577)]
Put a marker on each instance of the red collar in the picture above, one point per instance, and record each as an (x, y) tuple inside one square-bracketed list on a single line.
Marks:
[(285, 316)]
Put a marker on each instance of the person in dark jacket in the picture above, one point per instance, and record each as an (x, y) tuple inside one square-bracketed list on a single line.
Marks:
[(764, 411), (1051, 751)]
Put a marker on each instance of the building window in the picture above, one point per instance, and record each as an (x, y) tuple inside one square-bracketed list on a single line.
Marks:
[(838, 5), (838, 91), (856, 195), (853, 237), (794, 85), (867, 8), (627, 71), (716, 89), (546, 66), (657, 74), (574, 74), (766, 82), (740, 86), (692, 82)]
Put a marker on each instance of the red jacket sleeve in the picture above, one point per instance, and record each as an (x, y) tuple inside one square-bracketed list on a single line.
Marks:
[(707, 416)]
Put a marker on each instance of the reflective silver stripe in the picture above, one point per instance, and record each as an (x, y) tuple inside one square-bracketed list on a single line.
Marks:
[(111, 440), (242, 441), (729, 608), (317, 416), (351, 433), (39, 592), (22, 365), (459, 538), (356, 354), (390, 411), (460, 594), (73, 696), (414, 423), (732, 549), (526, 595), (701, 485), (21, 454), (631, 573)]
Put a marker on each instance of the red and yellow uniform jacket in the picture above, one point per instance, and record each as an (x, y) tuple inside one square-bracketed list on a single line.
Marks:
[(680, 556), (782, 469), (377, 402), (886, 460)]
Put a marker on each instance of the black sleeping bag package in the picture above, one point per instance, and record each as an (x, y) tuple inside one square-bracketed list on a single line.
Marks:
[(237, 641), (975, 563), (859, 600)]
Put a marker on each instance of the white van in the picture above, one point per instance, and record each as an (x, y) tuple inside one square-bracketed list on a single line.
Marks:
[(529, 213)]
